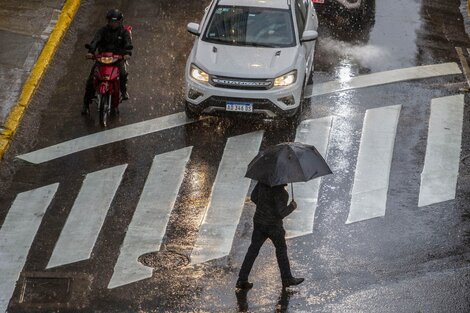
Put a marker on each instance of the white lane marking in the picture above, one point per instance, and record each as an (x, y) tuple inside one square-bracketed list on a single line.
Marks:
[(48, 30), (17, 234), (228, 198), (463, 61), (369, 192), (106, 137), (386, 77), (87, 216), (441, 163), (300, 222), (148, 225)]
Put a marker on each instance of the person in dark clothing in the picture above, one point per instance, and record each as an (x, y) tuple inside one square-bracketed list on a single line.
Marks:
[(111, 38), (271, 208)]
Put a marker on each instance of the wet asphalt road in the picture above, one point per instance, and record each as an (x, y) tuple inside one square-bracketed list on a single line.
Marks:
[(415, 259)]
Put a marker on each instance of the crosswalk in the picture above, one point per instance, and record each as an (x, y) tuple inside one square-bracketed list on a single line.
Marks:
[(148, 225), (370, 188), (314, 132), (228, 197), (88, 213), (387, 77), (17, 235), (441, 163)]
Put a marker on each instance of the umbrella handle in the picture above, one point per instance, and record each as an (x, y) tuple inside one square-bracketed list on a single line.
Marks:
[(292, 190)]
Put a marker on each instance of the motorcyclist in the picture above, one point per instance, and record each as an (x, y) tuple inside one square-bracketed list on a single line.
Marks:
[(111, 38)]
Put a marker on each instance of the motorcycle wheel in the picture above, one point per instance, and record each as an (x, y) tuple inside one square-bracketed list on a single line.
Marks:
[(104, 110)]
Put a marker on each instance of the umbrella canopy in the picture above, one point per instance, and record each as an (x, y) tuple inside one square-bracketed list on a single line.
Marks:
[(288, 162)]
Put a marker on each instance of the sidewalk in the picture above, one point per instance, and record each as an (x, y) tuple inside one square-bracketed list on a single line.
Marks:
[(25, 27)]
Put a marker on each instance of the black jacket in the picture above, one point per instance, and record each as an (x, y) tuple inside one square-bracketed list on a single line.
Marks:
[(117, 41), (271, 204)]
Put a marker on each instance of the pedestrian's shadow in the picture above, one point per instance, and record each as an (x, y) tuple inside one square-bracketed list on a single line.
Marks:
[(283, 302), (281, 306)]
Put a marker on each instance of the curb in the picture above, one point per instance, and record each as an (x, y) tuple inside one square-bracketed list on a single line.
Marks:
[(13, 120)]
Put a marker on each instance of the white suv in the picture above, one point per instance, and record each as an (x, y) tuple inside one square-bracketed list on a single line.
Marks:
[(251, 56)]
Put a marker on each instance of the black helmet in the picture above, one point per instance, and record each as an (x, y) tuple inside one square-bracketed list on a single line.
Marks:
[(114, 15)]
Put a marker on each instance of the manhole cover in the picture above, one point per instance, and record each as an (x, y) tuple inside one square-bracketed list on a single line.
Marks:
[(45, 290), (164, 259)]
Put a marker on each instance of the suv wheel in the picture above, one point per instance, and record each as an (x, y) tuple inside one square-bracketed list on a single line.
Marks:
[(190, 113), (294, 120)]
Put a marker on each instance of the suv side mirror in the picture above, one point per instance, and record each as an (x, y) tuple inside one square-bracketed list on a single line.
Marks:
[(309, 35), (193, 28)]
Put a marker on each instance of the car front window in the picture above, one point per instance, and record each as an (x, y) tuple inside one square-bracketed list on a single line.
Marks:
[(250, 26)]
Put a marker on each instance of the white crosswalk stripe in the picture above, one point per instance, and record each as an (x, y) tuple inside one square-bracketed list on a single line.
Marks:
[(386, 77), (148, 225), (370, 188), (218, 227), (441, 164), (106, 137), (314, 132), (17, 234), (87, 216)]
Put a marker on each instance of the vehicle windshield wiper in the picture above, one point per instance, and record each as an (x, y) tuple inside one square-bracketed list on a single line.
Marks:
[(256, 44)]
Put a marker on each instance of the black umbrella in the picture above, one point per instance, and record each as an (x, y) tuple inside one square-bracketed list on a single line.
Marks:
[(287, 162)]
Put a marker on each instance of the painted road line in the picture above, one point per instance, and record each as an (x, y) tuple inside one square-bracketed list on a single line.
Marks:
[(17, 234), (228, 198), (106, 137), (442, 160), (300, 222), (370, 188), (148, 225), (463, 61), (87, 216), (386, 77)]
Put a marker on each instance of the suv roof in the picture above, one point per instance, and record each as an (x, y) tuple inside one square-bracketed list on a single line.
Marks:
[(275, 4)]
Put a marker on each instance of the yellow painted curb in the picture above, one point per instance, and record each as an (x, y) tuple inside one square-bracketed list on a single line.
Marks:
[(13, 120)]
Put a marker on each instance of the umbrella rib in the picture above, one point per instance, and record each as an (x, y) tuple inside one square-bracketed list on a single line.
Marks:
[(301, 168)]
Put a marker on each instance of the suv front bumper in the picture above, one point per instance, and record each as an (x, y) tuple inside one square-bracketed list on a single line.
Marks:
[(207, 99)]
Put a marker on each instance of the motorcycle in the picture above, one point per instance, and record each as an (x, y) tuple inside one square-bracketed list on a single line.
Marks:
[(106, 84)]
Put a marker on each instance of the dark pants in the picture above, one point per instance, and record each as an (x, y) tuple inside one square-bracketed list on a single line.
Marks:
[(90, 90), (260, 233)]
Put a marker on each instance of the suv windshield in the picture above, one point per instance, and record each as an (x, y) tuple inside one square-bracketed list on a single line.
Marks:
[(250, 26)]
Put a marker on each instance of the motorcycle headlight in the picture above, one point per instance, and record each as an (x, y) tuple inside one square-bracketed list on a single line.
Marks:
[(199, 74), (286, 79), (106, 60)]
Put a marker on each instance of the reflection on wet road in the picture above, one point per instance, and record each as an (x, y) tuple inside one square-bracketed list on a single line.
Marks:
[(386, 107)]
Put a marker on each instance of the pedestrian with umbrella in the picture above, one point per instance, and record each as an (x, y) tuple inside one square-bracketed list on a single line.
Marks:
[(274, 168)]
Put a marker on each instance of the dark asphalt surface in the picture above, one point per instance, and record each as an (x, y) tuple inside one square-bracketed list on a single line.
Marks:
[(413, 260)]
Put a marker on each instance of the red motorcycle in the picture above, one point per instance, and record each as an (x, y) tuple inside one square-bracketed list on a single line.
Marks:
[(106, 84)]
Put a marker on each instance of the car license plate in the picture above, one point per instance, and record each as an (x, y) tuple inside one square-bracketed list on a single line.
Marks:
[(239, 107), (318, 1)]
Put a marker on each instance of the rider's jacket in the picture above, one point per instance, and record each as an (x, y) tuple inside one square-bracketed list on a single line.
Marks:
[(117, 41)]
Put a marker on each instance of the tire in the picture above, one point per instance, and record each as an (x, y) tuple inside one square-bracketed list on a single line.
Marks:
[(294, 120), (190, 113), (104, 110)]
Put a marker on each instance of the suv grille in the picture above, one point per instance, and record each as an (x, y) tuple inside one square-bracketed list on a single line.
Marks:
[(239, 83)]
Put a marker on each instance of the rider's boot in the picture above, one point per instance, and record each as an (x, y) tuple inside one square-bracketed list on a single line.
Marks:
[(123, 87), (85, 109)]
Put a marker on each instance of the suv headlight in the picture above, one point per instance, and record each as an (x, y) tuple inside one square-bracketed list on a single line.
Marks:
[(198, 74), (286, 79)]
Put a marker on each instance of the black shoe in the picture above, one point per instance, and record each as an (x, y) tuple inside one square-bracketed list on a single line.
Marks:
[(85, 110), (291, 282), (244, 284), (125, 96)]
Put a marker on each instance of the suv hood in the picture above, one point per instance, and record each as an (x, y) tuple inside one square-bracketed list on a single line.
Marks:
[(244, 62)]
